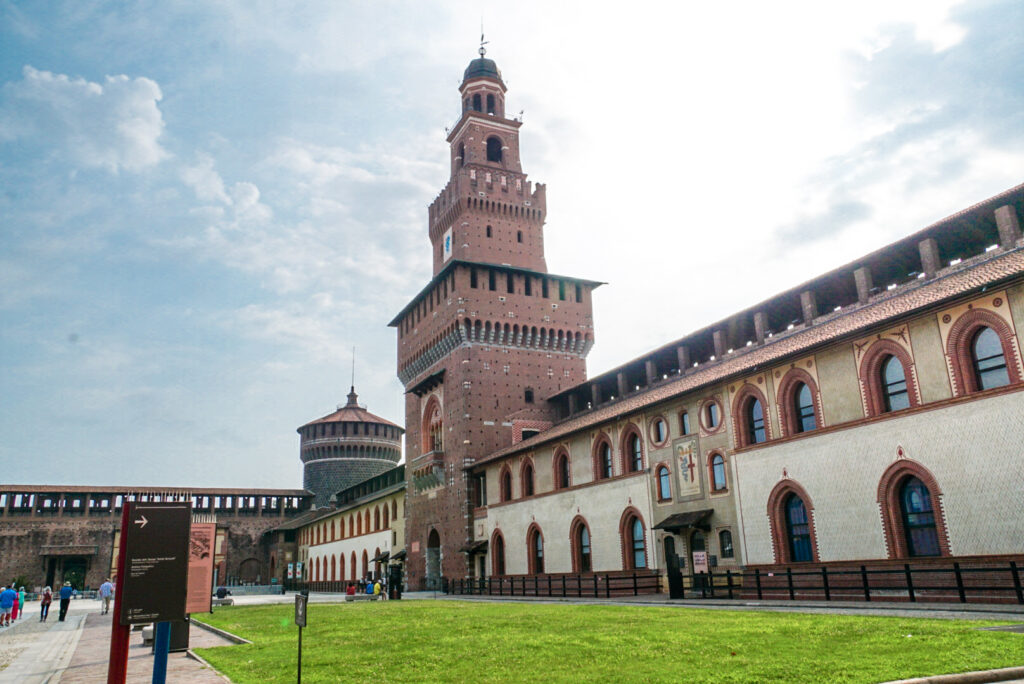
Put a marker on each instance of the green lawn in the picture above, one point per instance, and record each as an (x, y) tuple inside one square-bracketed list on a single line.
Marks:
[(454, 641)]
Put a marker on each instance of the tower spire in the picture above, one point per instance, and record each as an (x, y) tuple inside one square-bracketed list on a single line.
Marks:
[(353, 398)]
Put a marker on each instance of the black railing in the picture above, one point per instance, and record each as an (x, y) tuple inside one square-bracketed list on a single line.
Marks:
[(978, 583), (580, 586)]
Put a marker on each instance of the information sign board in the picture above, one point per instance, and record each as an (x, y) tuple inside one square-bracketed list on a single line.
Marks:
[(200, 568), (155, 572), (700, 561), (300, 609)]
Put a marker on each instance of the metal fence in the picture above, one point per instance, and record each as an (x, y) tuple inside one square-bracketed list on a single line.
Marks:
[(981, 583), (596, 586)]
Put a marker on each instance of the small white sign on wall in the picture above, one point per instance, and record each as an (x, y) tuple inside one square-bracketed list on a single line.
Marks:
[(447, 244)]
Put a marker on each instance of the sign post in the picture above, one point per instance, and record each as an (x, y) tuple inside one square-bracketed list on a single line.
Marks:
[(152, 576), (300, 619)]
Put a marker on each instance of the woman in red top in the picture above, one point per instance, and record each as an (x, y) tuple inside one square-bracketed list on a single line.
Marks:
[(44, 602)]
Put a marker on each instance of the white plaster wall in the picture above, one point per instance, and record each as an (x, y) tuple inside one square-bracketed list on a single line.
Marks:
[(344, 547), (601, 505), (974, 449)]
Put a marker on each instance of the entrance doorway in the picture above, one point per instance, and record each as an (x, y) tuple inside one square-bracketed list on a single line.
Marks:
[(74, 572), (433, 577)]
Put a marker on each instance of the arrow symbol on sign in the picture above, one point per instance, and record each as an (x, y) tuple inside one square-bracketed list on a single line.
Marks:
[(141, 523)]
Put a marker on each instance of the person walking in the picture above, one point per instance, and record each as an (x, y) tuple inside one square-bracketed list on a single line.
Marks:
[(7, 597), (21, 601), (376, 590), (44, 604), (106, 591), (65, 601), (15, 605)]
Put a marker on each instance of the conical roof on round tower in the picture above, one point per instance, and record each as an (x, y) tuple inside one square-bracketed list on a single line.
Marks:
[(351, 412)]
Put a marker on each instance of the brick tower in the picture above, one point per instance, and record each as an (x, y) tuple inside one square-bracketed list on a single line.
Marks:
[(489, 338), (346, 447)]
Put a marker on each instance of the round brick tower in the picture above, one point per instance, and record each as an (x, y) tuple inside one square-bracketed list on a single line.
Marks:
[(345, 448)]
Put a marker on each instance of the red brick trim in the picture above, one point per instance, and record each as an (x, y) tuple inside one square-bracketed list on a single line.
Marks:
[(652, 433), (777, 520), (494, 548), (630, 430), (560, 453), (657, 481), (744, 396), (787, 400), (602, 438), (502, 474), (578, 522), (889, 506), (624, 538), (958, 349), (534, 529), (524, 468), (709, 463), (425, 429), (702, 412), (871, 380)]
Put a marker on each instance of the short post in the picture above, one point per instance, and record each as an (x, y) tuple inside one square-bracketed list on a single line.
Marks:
[(824, 583), (728, 580), (757, 582), (161, 647), (910, 582), (301, 601), (789, 582), (607, 587), (563, 586), (1016, 581), (959, 583), (864, 581), (635, 592)]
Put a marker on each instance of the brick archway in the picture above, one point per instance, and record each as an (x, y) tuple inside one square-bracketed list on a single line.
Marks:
[(631, 430), (786, 400), (871, 379), (628, 563), (777, 520), (574, 528), (889, 506), (743, 397), (958, 349)]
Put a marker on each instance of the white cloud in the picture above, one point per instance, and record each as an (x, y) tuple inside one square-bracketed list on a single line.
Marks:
[(114, 125)]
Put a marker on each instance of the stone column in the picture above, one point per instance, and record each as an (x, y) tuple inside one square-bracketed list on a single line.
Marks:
[(620, 379), (595, 395), (683, 354), (573, 404), (1009, 226), (720, 343), (652, 372), (929, 250), (760, 326), (809, 306), (862, 276)]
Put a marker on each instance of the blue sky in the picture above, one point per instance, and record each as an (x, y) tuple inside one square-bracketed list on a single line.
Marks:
[(205, 206)]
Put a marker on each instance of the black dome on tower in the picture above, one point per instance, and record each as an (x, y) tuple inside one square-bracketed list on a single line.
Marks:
[(481, 67)]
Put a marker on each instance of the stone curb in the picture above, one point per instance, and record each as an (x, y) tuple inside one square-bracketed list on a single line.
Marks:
[(199, 659), (219, 632), (979, 677)]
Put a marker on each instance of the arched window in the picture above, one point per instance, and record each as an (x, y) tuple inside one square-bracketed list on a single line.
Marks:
[(988, 360), (505, 481), (527, 475), (353, 566), (634, 453), (718, 481), (498, 554), (798, 530), (366, 563), (755, 422), (334, 568), (366, 520), (684, 423), (804, 419), (488, 231), (494, 149), (535, 548), (635, 544), (519, 236), (581, 555), (664, 484), (341, 567), (376, 518), (603, 460), (922, 538), (394, 510), (659, 431), (725, 544), (433, 427), (561, 470), (490, 104), (387, 521), (462, 154), (477, 106), (894, 385)]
